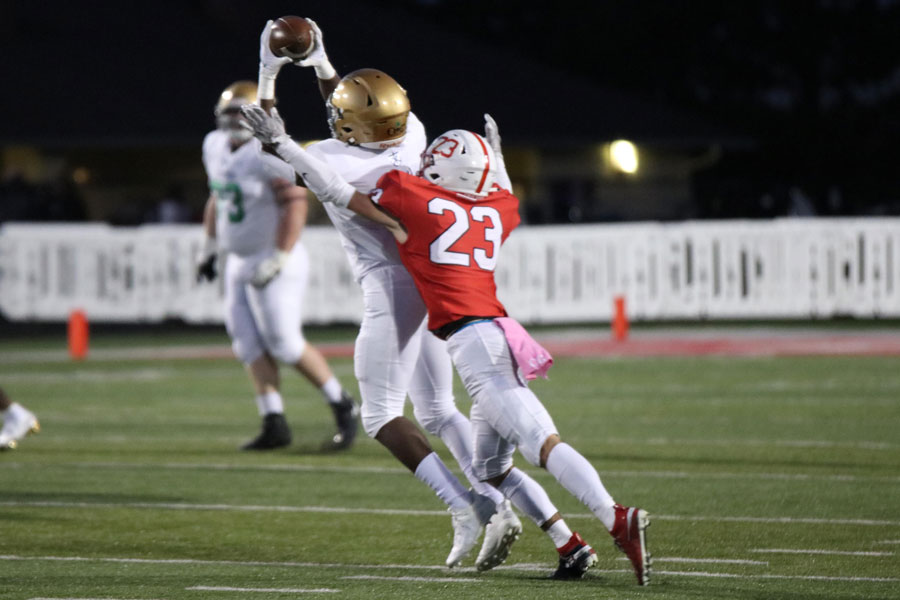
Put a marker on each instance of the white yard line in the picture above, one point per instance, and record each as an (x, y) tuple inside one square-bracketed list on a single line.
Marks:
[(664, 441), (417, 579), (818, 551), (211, 588), (713, 561), (413, 512), (888, 542), (772, 576), (402, 471), (93, 376), (782, 520), (529, 567)]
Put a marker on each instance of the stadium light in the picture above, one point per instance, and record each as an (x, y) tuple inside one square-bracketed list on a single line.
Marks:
[(623, 156)]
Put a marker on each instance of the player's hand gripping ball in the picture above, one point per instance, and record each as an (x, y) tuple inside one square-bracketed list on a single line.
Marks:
[(292, 37)]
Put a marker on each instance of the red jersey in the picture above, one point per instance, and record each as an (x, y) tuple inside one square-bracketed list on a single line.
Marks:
[(454, 241)]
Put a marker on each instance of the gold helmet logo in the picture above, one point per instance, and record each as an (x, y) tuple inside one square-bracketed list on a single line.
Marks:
[(368, 108)]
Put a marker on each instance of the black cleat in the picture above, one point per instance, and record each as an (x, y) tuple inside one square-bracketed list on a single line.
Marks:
[(275, 434), (575, 558), (346, 416)]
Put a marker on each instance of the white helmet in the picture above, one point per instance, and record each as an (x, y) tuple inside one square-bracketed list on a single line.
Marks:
[(461, 161)]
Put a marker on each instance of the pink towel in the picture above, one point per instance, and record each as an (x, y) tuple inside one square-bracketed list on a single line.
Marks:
[(531, 357)]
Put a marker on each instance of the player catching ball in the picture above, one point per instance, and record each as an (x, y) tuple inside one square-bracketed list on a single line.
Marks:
[(449, 222)]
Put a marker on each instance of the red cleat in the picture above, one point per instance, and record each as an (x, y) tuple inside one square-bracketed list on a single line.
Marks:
[(630, 537)]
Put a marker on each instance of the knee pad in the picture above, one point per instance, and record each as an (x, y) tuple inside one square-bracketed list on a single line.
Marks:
[(246, 350), (286, 349)]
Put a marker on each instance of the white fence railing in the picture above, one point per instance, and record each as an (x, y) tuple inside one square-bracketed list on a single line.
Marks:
[(791, 268)]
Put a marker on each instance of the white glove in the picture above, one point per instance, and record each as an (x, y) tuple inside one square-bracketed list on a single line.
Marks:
[(267, 127), (269, 65), (317, 58), (492, 134), (269, 268)]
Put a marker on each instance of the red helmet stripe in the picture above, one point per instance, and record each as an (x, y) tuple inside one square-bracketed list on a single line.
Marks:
[(487, 162)]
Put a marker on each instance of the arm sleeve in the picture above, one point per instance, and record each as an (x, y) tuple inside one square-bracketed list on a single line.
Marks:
[(324, 181), (275, 167)]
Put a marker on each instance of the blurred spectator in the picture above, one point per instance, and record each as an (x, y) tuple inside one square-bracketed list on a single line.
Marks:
[(173, 208), (799, 204), (57, 200)]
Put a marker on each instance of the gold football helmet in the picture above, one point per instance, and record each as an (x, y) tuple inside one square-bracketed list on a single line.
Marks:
[(228, 109), (368, 108)]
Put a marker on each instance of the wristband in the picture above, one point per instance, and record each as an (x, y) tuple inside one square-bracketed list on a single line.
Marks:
[(265, 89), (325, 70)]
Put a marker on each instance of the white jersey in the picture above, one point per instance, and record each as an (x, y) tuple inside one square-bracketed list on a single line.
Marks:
[(240, 180), (368, 245)]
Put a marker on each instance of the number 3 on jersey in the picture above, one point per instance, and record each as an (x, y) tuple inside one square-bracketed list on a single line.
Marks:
[(440, 252), (229, 197)]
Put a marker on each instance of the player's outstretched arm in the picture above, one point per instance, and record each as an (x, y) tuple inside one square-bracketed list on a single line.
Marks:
[(326, 183), (364, 207), (269, 66), (318, 60)]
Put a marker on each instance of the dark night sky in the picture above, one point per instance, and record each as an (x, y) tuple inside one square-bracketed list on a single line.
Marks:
[(814, 85), (149, 71)]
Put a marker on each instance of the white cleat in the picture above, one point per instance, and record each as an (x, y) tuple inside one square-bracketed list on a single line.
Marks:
[(17, 427), (466, 529), (503, 529)]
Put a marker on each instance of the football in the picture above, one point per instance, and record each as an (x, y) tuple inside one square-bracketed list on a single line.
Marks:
[(292, 37)]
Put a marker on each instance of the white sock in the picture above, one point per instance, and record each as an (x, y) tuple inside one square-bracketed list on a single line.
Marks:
[(434, 473), (456, 434), (270, 402), (576, 474), (560, 533), (528, 496), (15, 411), (332, 390)]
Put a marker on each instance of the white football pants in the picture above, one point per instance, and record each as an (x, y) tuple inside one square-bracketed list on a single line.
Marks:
[(396, 355), (505, 413), (266, 319)]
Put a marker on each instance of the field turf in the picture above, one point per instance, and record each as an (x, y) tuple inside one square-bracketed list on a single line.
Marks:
[(764, 477)]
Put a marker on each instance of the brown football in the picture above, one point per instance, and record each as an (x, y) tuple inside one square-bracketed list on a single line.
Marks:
[(292, 37)]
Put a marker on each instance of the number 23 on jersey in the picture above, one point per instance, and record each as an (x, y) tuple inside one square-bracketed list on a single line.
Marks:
[(440, 252)]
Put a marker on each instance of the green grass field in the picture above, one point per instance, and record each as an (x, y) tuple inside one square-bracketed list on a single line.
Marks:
[(764, 478)]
